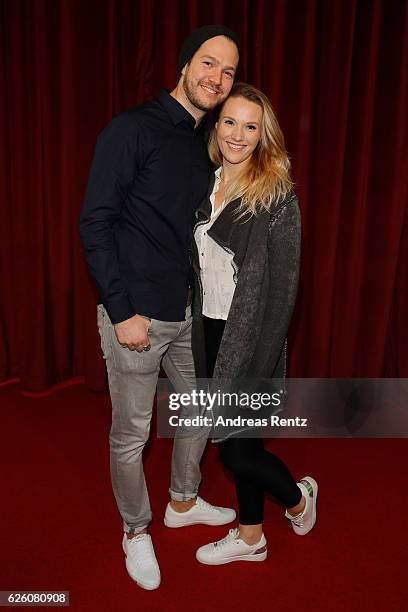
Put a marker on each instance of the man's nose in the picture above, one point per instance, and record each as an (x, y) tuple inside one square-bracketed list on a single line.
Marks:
[(216, 76)]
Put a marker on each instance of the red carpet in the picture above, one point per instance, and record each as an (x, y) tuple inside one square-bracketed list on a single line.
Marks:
[(60, 528)]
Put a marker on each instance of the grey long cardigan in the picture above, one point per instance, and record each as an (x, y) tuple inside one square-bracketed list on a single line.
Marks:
[(266, 252)]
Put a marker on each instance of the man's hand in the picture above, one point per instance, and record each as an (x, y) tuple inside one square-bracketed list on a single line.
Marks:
[(132, 333)]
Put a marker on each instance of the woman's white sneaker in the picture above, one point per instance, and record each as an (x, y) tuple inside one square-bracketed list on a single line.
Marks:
[(202, 513), (141, 562), (304, 522), (232, 548)]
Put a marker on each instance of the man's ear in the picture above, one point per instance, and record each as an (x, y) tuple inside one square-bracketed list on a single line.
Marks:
[(183, 72)]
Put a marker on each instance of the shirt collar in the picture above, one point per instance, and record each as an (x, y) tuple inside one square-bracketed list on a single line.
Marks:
[(175, 110), (217, 181), (218, 173)]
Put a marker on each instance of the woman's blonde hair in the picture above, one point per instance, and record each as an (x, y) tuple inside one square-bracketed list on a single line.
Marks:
[(266, 179)]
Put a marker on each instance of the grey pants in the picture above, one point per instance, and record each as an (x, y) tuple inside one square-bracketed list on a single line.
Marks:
[(132, 380)]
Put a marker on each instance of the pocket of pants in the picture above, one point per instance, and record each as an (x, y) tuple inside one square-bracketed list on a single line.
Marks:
[(101, 321), (149, 329)]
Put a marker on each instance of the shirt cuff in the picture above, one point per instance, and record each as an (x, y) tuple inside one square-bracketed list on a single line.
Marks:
[(119, 309)]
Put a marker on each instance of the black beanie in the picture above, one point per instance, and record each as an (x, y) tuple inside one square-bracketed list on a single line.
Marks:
[(198, 37)]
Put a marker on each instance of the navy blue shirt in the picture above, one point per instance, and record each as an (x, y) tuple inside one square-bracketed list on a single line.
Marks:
[(149, 173)]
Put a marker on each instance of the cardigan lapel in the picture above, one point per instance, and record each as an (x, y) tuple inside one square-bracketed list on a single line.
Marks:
[(225, 224), (223, 227)]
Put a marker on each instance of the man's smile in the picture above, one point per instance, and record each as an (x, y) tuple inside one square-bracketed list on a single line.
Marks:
[(210, 90)]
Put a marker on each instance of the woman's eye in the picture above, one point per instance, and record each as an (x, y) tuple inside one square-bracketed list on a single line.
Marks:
[(207, 63), (228, 121), (251, 127)]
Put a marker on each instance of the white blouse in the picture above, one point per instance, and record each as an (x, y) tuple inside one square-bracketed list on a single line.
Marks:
[(216, 267)]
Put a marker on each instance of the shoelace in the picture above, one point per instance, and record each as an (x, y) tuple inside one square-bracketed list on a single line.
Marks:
[(144, 549), (231, 535), (298, 520), (205, 505)]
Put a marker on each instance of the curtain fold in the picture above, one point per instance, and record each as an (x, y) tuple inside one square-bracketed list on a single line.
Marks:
[(336, 73)]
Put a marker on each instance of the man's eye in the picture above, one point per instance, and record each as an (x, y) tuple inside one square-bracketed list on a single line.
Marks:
[(229, 75), (207, 63)]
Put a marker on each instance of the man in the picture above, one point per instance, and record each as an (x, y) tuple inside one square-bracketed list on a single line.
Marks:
[(150, 171)]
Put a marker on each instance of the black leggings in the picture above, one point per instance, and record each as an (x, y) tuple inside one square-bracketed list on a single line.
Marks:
[(255, 469)]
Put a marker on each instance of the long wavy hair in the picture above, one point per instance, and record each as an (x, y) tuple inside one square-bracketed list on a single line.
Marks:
[(265, 181)]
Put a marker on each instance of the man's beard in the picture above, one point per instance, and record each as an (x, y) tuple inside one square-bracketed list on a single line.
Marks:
[(190, 89)]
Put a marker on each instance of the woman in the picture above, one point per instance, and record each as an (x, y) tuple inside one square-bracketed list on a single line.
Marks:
[(246, 258)]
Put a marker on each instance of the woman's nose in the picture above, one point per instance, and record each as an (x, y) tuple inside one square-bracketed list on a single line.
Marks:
[(237, 133)]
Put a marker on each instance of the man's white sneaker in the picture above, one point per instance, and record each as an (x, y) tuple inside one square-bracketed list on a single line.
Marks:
[(141, 562), (201, 513), (232, 548), (304, 522)]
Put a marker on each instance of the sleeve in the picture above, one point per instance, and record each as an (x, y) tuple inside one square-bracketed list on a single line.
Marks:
[(115, 163), (284, 262)]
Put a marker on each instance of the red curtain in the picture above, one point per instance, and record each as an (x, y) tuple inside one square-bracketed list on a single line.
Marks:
[(336, 73)]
